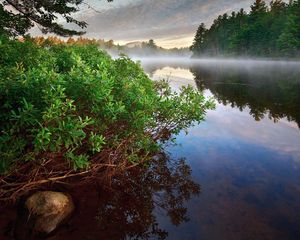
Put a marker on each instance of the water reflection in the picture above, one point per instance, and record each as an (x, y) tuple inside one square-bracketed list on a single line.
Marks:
[(248, 166), (249, 170), (268, 88), (126, 209)]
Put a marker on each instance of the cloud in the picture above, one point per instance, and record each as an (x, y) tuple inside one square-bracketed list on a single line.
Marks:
[(166, 21), (171, 23)]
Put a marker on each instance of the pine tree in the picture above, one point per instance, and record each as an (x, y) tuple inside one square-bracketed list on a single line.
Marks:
[(289, 40), (198, 42), (259, 6)]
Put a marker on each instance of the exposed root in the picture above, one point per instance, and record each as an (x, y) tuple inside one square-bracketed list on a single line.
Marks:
[(53, 169)]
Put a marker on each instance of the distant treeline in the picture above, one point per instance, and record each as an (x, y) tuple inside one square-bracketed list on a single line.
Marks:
[(141, 49), (149, 48), (271, 31)]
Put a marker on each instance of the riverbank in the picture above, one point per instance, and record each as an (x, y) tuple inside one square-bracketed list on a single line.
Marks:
[(73, 112)]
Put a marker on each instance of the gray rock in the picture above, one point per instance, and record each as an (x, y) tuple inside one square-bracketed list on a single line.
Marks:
[(49, 209)]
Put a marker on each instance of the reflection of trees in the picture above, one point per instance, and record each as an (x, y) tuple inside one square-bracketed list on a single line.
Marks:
[(271, 90), (126, 210), (268, 90), (128, 213)]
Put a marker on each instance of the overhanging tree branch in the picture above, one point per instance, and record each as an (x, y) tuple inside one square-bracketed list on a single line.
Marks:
[(44, 13)]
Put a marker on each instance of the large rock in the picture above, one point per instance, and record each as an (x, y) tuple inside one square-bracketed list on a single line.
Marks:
[(49, 209)]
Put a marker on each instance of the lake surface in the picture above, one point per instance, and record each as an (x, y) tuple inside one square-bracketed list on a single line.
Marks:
[(234, 176), (246, 155)]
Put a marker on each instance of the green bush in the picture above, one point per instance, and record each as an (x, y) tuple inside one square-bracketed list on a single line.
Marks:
[(75, 101)]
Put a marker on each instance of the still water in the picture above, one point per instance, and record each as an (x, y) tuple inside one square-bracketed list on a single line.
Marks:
[(246, 155), (234, 176)]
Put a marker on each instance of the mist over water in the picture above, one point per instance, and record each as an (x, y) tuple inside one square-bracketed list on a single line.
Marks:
[(246, 154), (242, 63), (270, 88)]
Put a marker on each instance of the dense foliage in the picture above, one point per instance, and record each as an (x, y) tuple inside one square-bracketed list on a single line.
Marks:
[(265, 31), (74, 106), (18, 16)]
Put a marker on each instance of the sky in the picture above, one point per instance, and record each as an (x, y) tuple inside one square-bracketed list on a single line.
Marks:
[(171, 23)]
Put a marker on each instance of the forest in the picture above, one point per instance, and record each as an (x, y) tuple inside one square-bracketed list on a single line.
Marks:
[(266, 31)]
